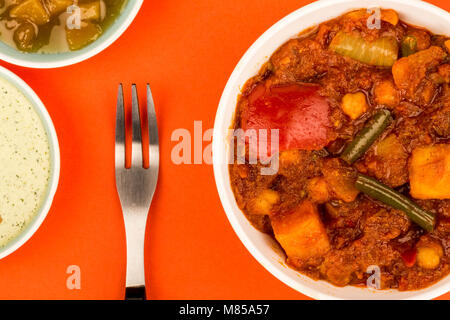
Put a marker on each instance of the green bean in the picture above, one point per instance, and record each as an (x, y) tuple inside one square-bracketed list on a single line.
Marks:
[(367, 136), (396, 200)]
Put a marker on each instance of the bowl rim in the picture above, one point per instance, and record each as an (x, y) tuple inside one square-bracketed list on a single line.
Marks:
[(222, 181), (57, 60), (43, 114)]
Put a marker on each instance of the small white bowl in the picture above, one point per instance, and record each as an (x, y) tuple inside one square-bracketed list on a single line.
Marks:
[(262, 246), (40, 109), (56, 60)]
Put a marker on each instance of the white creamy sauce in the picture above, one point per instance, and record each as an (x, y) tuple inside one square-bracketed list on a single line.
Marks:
[(24, 162)]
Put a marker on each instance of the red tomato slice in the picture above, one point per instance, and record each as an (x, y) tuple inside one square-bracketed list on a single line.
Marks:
[(409, 257), (298, 111)]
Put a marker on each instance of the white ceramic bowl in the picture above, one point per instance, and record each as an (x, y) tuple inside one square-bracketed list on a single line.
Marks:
[(36, 60), (40, 109), (262, 246)]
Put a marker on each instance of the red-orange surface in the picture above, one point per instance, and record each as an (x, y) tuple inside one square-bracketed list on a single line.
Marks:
[(186, 50)]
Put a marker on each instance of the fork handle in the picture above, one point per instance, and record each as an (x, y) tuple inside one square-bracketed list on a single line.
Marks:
[(135, 221), (135, 293)]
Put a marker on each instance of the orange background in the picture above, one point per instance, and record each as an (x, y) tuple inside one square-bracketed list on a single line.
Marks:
[(186, 50)]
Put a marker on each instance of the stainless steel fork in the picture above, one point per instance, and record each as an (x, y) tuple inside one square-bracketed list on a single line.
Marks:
[(136, 186)]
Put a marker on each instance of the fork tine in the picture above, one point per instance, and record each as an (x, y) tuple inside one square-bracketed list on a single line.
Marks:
[(120, 130), (136, 155), (153, 130)]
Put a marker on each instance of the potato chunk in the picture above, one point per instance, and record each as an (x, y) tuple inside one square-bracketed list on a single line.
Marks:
[(318, 190), (385, 93), (354, 104), (444, 72), (429, 172), (387, 15), (301, 233), (340, 180), (290, 157), (264, 202), (410, 74), (79, 38), (91, 11), (55, 7), (447, 45), (390, 16), (31, 10), (388, 161)]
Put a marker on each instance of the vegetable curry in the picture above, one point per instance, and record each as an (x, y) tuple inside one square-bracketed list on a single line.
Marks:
[(53, 26), (364, 152)]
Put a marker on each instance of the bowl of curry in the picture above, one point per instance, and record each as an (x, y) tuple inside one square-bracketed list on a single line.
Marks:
[(332, 150)]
